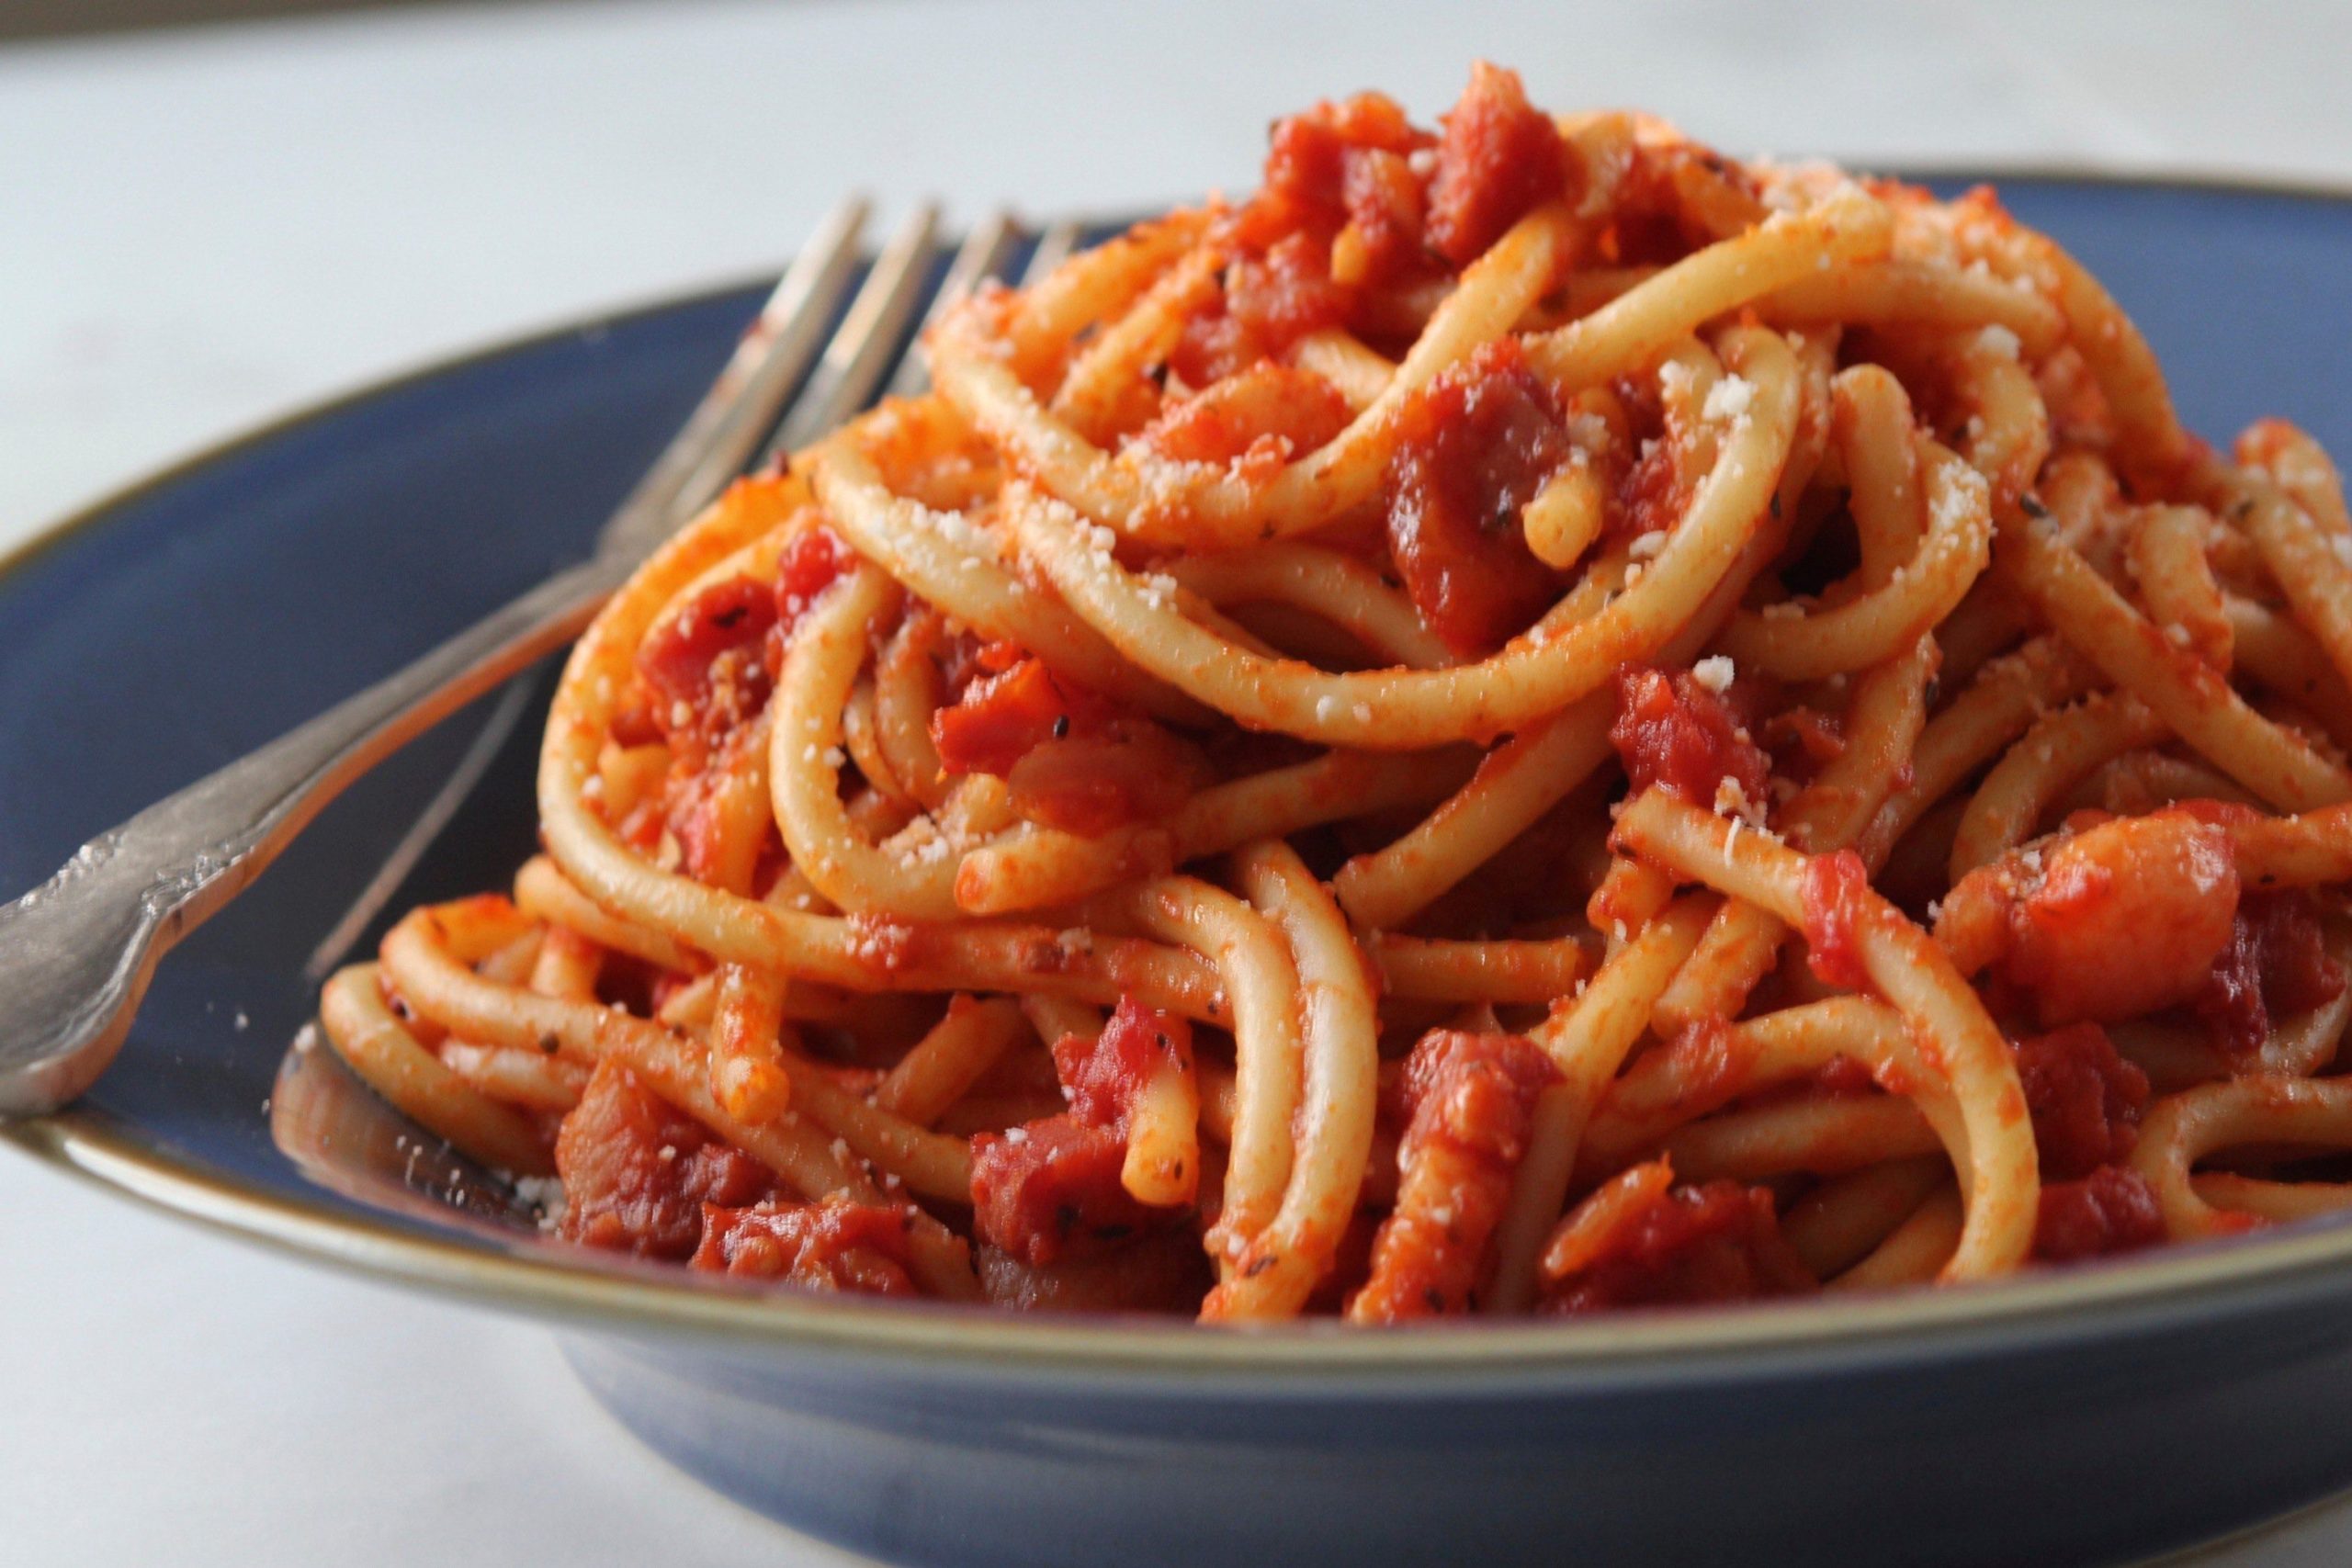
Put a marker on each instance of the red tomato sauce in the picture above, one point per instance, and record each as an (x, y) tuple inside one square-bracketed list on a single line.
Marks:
[(2127, 916), (2275, 967), (2111, 1210), (1648, 496), (637, 1173), (1470, 1099), (813, 562), (1836, 892), (1500, 158), (1674, 734), (1167, 1272), (1002, 718), (1474, 448), (1323, 168), (705, 668), (1075, 760), (2085, 1099), (1227, 421), (1271, 299), (1686, 1245), (833, 1245), (1048, 1192), (1675, 199), (1102, 1076)]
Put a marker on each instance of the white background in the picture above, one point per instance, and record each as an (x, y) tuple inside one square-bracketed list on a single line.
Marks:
[(202, 229)]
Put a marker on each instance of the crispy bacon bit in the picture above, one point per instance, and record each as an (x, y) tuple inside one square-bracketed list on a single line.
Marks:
[(694, 814), (968, 659), (1639, 1241), (1266, 402), (833, 1245), (2111, 1210), (1271, 299), (1002, 718), (704, 668), (814, 560), (2297, 973), (1836, 891), (1283, 296), (2085, 1099), (1499, 157), (1676, 735), (1049, 1191), (1074, 761), (1386, 209), (1678, 196), (1474, 448), (1090, 784), (1342, 208), (1648, 498), (1103, 1075), (1343, 172), (1213, 345), (1471, 1100), (637, 1173), (1311, 163), (1053, 1193), (2276, 965), (1803, 740)]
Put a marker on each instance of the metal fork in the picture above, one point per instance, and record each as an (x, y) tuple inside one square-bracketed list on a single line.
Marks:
[(76, 952)]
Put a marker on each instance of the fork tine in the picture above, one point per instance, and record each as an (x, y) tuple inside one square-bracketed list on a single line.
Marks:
[(724, 431), (1054, 247), (862, 349), (981, 256), (715, 443)]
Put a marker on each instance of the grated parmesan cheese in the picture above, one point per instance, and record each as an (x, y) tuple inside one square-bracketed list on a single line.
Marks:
[(1999, 342), (1729, 399), (1731, 798), (545, 1196)]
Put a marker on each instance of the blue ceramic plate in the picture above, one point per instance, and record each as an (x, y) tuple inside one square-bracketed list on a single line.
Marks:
[(2086, 1417)]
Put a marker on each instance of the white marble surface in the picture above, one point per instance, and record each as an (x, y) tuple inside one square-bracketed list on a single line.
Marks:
[(202, 230)]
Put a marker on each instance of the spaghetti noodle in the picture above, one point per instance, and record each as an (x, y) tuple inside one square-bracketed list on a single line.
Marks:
[(1533, 719)]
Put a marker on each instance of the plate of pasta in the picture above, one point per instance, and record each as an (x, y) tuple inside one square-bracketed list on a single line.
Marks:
[(1535, 813)]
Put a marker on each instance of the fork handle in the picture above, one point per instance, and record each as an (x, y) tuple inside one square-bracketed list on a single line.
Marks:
[(76, 952)]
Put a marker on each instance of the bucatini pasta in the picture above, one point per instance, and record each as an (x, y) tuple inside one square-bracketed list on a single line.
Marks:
[(1532, 719)]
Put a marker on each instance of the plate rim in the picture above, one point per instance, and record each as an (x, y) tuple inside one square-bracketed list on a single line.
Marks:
[(2083, 1302)]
